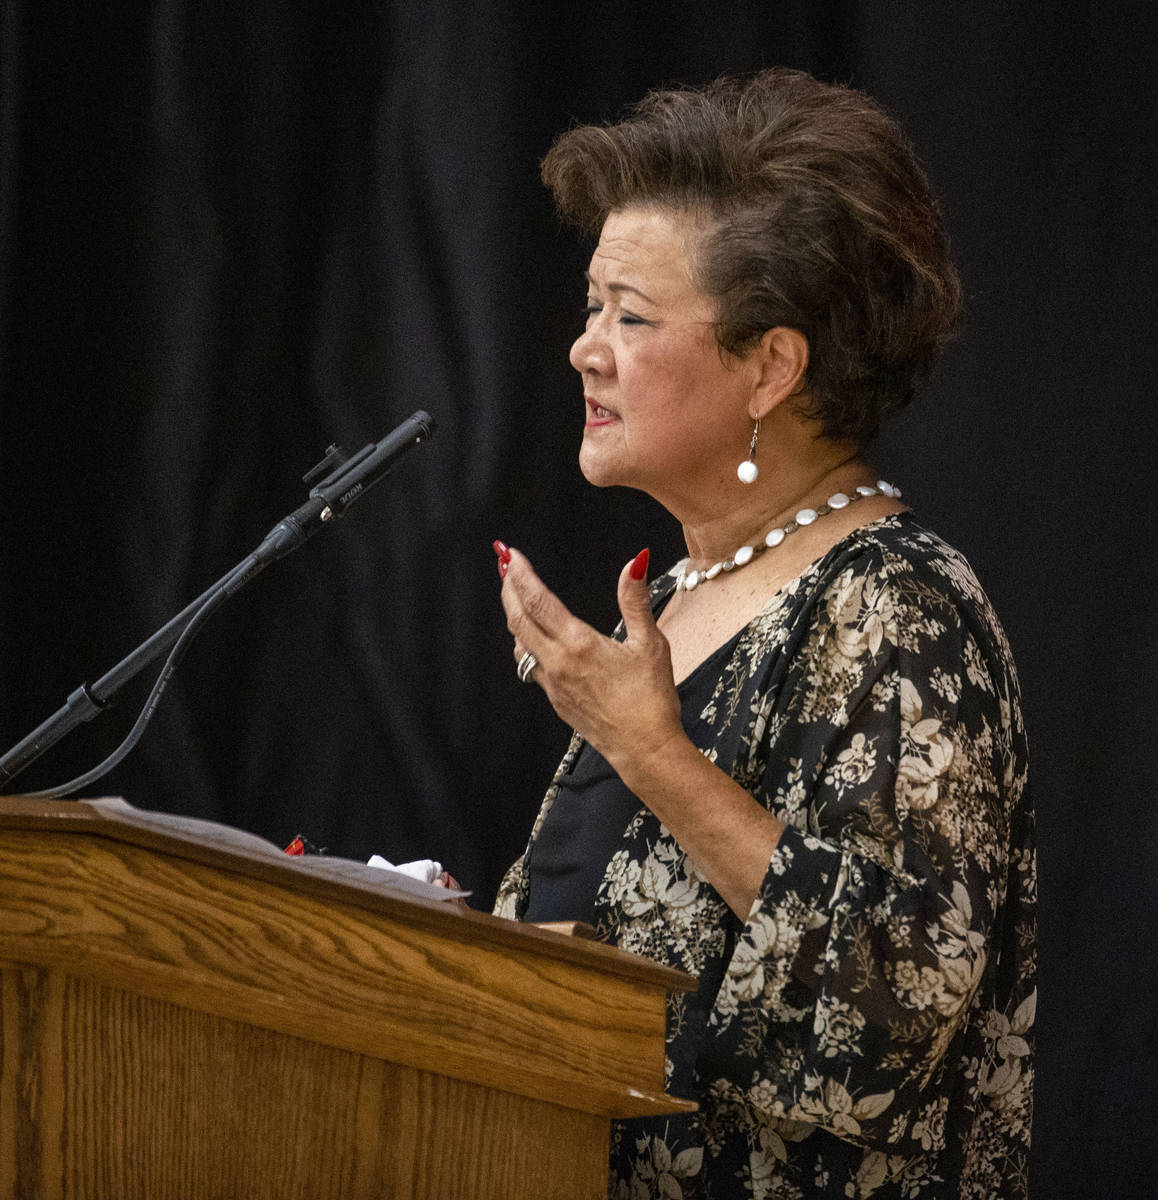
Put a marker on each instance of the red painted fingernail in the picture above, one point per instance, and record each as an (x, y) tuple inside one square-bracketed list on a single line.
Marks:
[(501, 550), (639, 564)]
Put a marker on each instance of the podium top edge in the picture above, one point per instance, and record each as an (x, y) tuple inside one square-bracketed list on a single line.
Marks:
[(226, 848)]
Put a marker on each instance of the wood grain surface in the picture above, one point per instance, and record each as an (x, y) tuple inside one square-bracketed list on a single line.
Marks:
[(425, 996), (128, 1098), (183, 1015)]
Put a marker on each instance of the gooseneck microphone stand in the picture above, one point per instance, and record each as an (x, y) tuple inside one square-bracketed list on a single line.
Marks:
[(341, 480)]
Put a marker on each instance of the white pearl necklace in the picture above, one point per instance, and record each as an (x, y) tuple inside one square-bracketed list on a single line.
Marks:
[(687, 581)]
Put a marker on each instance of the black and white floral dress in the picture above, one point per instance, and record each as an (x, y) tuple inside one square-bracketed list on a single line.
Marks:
[(868, 1031)]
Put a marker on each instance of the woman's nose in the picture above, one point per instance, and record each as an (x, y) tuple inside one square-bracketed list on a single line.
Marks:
[(590, 352)]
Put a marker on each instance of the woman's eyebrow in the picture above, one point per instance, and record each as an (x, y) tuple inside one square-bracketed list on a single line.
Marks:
[(621, 287)]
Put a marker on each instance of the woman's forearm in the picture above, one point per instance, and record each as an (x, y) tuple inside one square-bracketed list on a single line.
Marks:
[(727, 833)]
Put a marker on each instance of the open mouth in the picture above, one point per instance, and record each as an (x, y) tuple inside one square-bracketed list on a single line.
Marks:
[(597, 414)]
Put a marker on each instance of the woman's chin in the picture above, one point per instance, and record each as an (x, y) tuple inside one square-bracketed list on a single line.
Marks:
[(596, 468)]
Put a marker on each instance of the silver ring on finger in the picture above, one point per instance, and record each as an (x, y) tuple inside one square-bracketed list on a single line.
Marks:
[(526, 665)]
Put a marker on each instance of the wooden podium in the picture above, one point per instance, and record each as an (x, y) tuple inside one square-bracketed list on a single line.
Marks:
[(185, 1012)]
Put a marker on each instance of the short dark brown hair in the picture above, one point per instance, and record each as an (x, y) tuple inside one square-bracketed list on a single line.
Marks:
[(818, 216)]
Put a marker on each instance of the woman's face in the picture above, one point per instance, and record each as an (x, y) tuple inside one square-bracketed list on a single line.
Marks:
[(664, 413)]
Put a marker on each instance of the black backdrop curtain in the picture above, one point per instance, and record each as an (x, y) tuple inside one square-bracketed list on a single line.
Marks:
[(231, 234)]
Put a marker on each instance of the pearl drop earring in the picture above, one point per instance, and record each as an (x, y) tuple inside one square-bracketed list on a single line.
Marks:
[(747, 470)]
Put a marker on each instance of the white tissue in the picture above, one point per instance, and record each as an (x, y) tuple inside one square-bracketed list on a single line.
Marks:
[(426, 870)]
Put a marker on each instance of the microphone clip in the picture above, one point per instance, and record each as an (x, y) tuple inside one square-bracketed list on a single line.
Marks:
[(327, 470)]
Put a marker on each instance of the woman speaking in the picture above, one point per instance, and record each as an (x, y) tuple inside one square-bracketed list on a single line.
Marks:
[(798, 770)]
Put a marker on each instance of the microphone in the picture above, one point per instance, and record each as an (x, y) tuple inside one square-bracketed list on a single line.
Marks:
[(358, 474), (345, 479)]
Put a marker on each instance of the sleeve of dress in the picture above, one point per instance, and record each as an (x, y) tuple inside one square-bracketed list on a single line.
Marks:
[(889, 750)]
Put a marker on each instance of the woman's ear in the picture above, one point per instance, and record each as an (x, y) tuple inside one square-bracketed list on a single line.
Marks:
[(781, 361)]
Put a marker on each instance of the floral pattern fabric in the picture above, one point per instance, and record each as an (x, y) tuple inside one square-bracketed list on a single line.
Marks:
[(868, 1030)]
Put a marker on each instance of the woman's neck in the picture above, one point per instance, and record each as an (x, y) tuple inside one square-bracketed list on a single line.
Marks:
[(773, 499)]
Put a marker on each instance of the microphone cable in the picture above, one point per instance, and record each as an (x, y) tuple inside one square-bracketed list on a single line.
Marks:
[(212, 602)]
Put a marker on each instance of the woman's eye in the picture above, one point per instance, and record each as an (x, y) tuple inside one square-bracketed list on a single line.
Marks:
[(625, 318)]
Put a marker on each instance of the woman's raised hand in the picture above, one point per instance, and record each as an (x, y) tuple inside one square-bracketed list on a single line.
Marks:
[(619, 696)]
